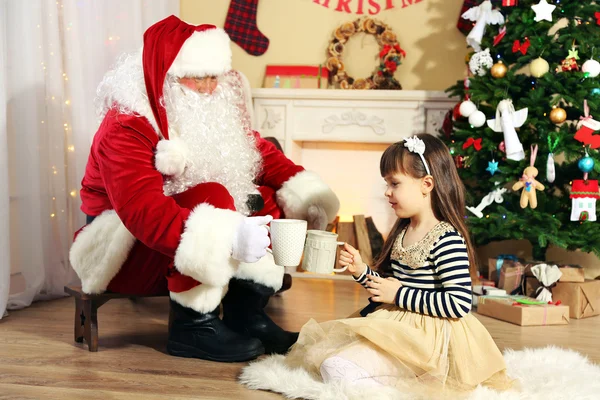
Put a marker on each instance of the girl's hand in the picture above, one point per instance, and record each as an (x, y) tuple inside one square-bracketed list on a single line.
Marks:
[(351, 257), (383, 290)]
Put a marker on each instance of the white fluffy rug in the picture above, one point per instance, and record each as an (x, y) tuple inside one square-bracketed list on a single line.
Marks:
[(543, 374)]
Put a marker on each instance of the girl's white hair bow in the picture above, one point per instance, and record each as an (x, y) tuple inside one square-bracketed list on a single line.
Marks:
[(416, 145)]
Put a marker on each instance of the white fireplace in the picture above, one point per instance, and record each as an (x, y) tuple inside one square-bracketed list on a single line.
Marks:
[(341, 134)]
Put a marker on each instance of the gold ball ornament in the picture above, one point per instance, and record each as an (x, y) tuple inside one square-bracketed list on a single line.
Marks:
[(499, 70), (558, 115), (539, 67)]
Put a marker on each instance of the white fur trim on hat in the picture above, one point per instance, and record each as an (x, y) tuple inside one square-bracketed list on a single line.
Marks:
[(100, 250), (264, 271), (204, 252), (171, 156), (204, 53), (304, 189), (202, 298)]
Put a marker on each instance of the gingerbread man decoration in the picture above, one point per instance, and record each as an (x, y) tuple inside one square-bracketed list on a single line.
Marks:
[(528, 183)]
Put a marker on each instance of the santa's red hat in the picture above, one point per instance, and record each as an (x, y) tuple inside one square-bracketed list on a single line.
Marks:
[(178, 48)]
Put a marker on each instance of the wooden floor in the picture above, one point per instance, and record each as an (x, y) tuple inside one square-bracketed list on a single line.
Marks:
[(40, 360)]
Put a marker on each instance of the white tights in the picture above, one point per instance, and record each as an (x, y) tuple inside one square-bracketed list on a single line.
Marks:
[(360, 364), (336, 368)]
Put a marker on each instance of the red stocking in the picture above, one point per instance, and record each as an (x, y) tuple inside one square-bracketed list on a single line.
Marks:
[(240, 24)]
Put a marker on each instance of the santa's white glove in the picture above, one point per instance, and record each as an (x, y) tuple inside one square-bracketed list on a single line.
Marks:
[(317, 218), (251, 239)]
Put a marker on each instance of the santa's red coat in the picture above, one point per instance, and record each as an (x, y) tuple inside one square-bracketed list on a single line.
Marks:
[(135, 221)]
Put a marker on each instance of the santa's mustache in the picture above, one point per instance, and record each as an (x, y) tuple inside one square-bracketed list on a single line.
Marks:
[(226, 95)]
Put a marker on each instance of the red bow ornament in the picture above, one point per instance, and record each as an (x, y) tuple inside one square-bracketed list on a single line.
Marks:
[(387, 48), (399, 50), (509, 3), (522, 47), (476, 143), (597, 15)]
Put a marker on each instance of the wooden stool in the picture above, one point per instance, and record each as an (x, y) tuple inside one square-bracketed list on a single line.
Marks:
[(86, 313)]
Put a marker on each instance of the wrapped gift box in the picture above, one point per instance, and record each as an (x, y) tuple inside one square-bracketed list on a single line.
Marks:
[(487, 291), (571, 273), (530, 285), (512, 309), (507, 271), (296, 77), (494, 265), (480, 290), (583, 298), (511, 276)]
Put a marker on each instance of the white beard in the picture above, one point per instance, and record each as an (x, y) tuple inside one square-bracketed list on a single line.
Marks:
[(221, 147)]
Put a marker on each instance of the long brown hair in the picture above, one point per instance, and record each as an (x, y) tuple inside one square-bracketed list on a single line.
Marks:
[(447, 196)]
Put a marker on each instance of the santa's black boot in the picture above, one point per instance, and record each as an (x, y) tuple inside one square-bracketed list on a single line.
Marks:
[(204, 335), (243, 312)]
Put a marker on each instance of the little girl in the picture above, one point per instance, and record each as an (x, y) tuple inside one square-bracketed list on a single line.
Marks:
[(418, 333)]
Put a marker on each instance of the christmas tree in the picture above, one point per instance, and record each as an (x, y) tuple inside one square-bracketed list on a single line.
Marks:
[(533, 88)]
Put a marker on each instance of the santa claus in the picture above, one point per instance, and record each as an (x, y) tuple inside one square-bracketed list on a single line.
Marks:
[(166, 191)]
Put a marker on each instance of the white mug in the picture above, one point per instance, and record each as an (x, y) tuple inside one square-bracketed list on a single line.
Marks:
[(320, 252), (287, 241)]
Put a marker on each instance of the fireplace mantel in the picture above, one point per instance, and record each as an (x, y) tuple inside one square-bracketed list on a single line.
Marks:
[(340, 134), (294, 116)]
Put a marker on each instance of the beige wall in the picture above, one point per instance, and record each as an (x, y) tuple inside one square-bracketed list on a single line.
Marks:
[(300, 30), (299, 33)]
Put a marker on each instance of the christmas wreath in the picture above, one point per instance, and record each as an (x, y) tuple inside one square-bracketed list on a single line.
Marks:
[(389, 56)]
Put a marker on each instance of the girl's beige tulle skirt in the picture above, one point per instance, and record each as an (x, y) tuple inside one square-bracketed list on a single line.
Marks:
[(407, 350)]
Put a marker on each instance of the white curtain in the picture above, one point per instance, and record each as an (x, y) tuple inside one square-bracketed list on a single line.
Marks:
[(53, 54), (4, 198)]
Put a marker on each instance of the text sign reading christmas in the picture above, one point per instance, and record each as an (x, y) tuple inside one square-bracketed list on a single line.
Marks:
[(371, 7)]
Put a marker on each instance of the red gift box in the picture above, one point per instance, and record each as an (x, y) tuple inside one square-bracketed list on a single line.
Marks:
[(296, 76)]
